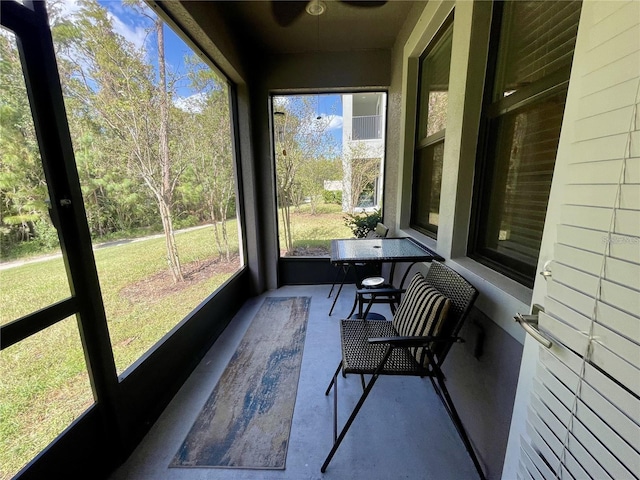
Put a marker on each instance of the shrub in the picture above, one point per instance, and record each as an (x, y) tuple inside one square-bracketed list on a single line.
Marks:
[(332, 196), (362, 223)]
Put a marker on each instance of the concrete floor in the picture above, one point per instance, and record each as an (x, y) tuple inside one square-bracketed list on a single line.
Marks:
[(402, 431)]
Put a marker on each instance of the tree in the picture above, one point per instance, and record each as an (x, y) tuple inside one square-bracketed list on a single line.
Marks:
[(164, 189), (122, 94), (23, 187), (361, 165), (114, 195), (312, 175), (300, 137), (211, 148)]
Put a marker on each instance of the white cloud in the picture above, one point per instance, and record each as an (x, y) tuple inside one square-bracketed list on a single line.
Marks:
[(191, 104), (335, 122), (68, 8), (135, 35)]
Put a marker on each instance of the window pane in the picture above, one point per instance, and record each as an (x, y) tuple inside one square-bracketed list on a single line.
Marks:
[(44, 388), (329, 152), (426, 188), (432, 119), (32, 275), (518, 192), (537, 39), (151, 129), (434, 86)]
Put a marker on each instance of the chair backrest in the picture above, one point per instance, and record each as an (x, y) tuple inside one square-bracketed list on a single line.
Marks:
[(462, 295), (380, 231), (422, 312)]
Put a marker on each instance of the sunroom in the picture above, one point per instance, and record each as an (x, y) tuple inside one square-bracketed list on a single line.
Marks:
[(510, 147)]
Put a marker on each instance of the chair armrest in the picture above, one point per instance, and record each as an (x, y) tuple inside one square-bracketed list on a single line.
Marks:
[(414, 341)]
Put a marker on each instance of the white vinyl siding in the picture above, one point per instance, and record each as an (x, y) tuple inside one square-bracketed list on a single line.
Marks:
[(584, 416)]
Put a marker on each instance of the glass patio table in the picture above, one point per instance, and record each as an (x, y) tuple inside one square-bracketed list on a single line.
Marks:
[(357, 251)]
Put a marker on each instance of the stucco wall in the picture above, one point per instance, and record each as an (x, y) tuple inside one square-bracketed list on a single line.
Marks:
[(483, 387)]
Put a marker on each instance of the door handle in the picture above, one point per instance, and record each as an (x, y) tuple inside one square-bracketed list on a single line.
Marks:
[(530, 325), (546, 271)]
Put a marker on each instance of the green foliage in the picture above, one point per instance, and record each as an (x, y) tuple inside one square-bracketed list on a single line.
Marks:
[(46, 235), (330, 196), (362, 223), (186, 221)]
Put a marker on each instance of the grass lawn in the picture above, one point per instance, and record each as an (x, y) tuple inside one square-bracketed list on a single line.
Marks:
[(312, 234), (45, 385)]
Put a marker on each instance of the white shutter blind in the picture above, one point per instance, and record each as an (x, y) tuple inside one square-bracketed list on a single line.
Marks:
[(584, 413)]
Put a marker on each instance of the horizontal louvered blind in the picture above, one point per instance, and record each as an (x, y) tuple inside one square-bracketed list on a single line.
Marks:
[(584, 414), (528, 139), (538, 39)]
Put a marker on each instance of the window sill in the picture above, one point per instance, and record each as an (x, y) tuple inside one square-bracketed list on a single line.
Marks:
[(498, 280), (500, 297)]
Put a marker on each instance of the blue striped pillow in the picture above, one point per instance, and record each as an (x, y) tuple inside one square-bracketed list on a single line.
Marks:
[(420, 313)]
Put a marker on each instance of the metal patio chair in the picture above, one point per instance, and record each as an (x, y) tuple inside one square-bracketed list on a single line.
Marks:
[(415, 342)]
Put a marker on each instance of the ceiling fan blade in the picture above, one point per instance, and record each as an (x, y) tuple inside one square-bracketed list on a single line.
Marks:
[(286, 12)]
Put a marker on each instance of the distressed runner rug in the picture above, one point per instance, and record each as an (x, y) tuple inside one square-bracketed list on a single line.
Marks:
[(246, 421)]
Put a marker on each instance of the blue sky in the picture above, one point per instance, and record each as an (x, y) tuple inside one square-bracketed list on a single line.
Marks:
[(135, 28)]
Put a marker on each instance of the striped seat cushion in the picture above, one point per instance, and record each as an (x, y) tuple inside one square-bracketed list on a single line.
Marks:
[(420, 313)]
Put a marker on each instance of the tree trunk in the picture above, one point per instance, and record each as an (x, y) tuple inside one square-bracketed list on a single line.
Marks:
[(225, 237), (165, 164), (173, 261)]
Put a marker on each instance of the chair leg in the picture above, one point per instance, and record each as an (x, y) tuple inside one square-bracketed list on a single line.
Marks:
[(353, 308), (443, 393), (338, 440), (333, 379)]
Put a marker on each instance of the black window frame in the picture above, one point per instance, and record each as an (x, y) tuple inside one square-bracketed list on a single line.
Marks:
[(427, 145), (495, 109)]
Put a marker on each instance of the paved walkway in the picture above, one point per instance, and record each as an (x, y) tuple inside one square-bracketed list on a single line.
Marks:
[(114, 243)]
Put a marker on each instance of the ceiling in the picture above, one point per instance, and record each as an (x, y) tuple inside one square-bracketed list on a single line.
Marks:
[(342, 27)]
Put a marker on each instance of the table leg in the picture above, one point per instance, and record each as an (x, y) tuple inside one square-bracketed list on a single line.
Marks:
[(339, 289)]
